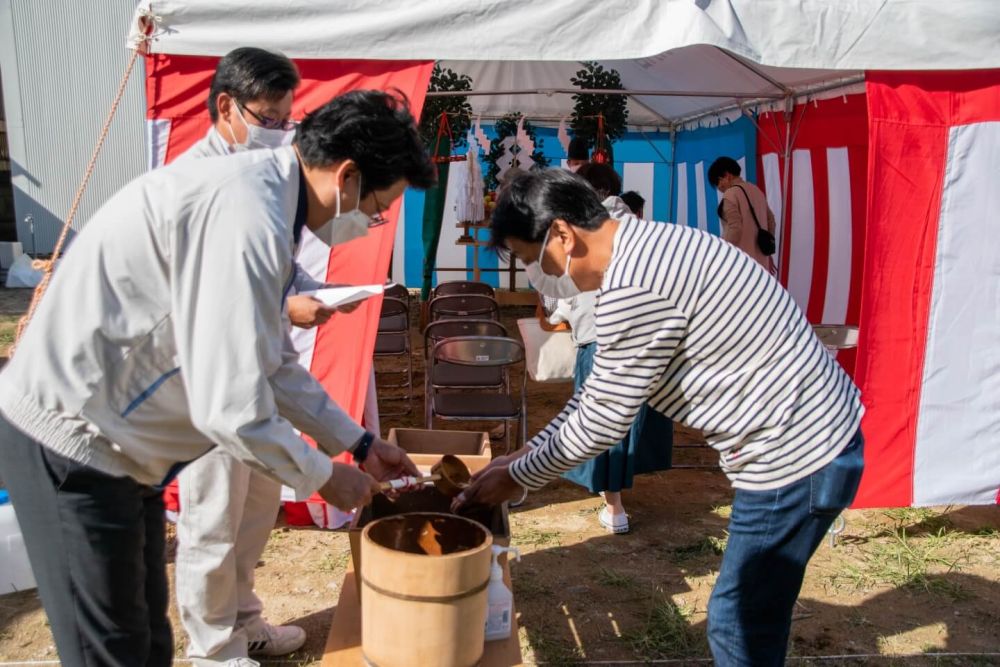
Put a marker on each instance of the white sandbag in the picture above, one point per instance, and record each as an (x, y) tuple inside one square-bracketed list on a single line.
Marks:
[(21, 273)]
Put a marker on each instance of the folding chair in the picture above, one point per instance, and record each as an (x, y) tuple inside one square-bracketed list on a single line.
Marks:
[(395, 323), (452, 376), (479, 352), (837, 336), (462, 288), (397, 291), (476, 306), (393, 340)]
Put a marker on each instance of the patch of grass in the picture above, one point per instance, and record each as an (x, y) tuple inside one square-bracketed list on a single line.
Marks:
[(529, 536), (718, 544), (556, 651), (723, 511), (8, 327), (551, 649), (902, 561), (909, 515), (858, 620), (987, 531), (615, 579), (334, 562), (709, 545), (920, 520), (667, 633)]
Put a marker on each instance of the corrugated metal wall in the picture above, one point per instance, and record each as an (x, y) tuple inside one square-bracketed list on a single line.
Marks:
[(61, 62)]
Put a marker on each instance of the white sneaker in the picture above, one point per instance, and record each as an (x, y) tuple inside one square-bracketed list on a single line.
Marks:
[(614, 523), (271, 640)]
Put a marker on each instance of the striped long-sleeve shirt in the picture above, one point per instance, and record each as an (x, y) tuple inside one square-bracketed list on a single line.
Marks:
[(698, 330)]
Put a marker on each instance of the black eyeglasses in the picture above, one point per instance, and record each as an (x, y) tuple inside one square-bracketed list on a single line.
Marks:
[(377, 220), (269, 123)]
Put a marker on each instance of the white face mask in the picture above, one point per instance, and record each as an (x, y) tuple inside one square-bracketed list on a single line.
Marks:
[(346, 227), (259, 137), (557, 287)]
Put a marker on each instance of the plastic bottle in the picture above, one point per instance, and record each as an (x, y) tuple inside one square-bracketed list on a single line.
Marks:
[(500, 601), (15, 572)]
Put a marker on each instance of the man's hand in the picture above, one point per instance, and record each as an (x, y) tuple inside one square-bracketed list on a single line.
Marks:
[(501, 462), (490, 487), (307, 312), (385, 461), (348, 487), (347, 307)]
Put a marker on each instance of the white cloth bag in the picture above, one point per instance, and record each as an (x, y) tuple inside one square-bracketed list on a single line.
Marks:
[(551, 355)]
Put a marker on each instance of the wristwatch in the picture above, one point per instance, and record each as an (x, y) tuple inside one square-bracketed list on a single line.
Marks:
[(360, 452)]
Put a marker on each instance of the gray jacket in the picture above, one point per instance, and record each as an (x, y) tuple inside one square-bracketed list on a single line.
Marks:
[(163, 332)]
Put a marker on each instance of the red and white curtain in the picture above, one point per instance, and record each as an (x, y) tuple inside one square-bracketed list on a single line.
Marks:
[(338, 353), (822, 235), (929, 353)]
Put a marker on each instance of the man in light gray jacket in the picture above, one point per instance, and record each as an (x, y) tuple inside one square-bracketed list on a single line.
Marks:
[(163, 332), (227, 508)]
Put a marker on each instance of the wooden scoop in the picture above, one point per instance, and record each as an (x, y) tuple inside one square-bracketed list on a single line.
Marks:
[(450, 475), (454, 475), (406, 482)]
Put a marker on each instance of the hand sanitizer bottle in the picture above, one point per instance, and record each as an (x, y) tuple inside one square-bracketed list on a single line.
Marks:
[(500, 601)]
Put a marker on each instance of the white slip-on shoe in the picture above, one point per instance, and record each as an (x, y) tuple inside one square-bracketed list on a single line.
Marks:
[(272, 640)]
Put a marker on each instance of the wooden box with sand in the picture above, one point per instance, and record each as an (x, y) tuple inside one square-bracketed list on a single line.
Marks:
[(425, 447)]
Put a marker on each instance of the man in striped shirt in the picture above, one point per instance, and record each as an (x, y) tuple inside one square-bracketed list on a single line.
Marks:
[(692, 326)]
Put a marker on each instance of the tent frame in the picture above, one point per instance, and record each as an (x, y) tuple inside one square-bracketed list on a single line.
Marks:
[(746, 102)]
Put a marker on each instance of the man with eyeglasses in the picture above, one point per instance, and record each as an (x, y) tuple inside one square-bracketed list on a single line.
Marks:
[(227, 508), (164, 334)]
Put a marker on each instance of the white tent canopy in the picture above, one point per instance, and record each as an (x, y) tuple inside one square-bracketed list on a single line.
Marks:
[(681, 86), (817, 34), (695, 57)]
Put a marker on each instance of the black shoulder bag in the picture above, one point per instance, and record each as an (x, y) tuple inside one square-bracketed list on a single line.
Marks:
[(765, 239)]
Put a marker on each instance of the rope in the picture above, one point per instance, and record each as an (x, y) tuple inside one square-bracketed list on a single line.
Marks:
[(148, 23)]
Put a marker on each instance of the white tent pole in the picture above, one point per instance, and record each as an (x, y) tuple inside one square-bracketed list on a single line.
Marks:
[(801, 92), (774, 145), (753, 68), (785, 170)]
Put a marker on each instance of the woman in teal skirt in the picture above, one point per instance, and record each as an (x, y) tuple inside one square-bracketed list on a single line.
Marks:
[(648, 445)]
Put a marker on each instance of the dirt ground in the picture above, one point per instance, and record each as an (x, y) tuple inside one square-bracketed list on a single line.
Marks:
[(901, 586)]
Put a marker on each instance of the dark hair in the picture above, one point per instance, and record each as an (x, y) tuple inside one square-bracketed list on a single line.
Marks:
[(374, 129), (602, 177), (527, 207), (721, 167), (633, 200), (579, 149), (249, 73)]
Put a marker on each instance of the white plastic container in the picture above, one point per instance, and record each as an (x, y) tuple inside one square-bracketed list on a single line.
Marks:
[(15, 570), (499, 599)]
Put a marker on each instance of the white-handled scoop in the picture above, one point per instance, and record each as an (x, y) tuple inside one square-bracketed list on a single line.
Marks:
[(450, 475)]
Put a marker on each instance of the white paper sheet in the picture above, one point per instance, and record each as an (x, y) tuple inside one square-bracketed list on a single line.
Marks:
[(339, 296)]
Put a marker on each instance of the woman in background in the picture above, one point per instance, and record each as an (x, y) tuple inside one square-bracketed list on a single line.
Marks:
[(648, 445)]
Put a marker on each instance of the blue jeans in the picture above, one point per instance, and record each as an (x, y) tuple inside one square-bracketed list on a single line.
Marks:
[(772, 536)]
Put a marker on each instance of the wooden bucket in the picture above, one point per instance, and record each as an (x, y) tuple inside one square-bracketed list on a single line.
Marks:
[(423, 590)]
